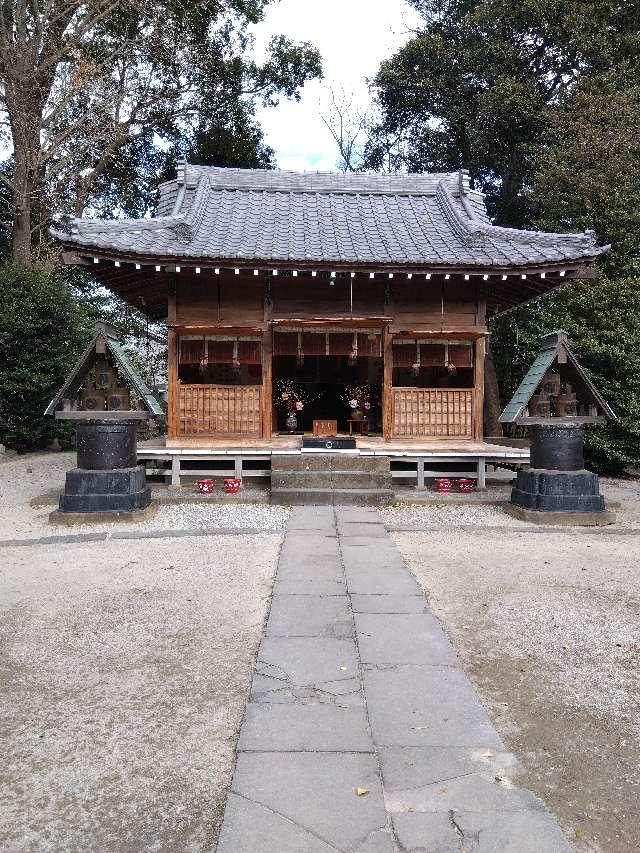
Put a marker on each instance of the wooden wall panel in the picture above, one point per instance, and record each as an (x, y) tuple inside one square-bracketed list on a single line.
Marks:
[(306, 297), (241, 299), (219, 410), (432, 412), (435, 304), (460, 302)]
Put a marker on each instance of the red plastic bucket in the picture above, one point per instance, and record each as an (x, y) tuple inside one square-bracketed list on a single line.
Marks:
[(444, 485), (232, 485), (465, 485), (205, 486)]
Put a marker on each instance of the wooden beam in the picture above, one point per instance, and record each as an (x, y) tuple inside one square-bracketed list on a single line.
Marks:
[(387, 385), (478, 389), (465, 334), (216, 329)]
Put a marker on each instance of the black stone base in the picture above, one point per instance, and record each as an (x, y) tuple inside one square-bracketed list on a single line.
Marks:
[(330, 443), (119, 490), (557, 491)]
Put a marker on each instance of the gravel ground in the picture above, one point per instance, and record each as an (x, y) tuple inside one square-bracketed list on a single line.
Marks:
[(125, 669), (27, 477), (548, 629), (418, 517), (626, 493)]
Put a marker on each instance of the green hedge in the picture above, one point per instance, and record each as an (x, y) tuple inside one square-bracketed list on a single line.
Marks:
[(43, 329)]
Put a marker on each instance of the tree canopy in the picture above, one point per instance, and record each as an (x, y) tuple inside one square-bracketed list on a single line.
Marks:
[(482, 85), (540, 101), (97, 95)]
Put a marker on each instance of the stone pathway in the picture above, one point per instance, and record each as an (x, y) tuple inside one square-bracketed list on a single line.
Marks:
[(361, 732)]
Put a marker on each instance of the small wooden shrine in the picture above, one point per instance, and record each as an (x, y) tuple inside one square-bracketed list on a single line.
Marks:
[(382, 282), (556, 399), (556, 387), (101, 382), (106, 397)]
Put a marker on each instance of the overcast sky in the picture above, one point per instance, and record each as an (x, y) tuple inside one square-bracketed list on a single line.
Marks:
[(353, 36)]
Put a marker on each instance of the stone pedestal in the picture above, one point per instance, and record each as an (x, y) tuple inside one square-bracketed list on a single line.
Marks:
[(108, 482), (557, 488)]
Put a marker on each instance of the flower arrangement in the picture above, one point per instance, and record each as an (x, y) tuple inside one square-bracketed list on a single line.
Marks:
[(290, 397), (357, 397)]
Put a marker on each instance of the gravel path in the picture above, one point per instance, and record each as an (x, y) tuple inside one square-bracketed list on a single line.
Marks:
[(125, 669), (548, 629)]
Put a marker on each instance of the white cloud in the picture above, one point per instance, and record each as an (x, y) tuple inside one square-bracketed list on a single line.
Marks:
[(353, 36)]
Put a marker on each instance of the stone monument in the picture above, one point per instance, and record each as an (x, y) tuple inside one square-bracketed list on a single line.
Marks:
[(555, 400), (108, 483)]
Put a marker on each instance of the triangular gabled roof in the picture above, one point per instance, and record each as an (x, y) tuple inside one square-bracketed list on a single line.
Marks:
[(552, 347), (85, 362)]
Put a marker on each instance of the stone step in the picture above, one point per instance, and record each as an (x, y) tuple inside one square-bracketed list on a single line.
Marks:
[(328, 497), (330, 462), (331, 479)]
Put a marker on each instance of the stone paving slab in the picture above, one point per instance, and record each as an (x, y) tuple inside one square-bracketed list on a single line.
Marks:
[(310, 616), (362, 530), (409, 768), (247, 825), (314, 567), (453, 832), (308, 661), (403, 638), (317, 792), (305, 727), (309, 586), (364, 579), (388, 603), (357, 687), (312, 518), (426, 706)]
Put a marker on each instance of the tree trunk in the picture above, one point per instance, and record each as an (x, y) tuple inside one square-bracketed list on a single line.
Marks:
[(492, 406), (22, 196), (27, 189)]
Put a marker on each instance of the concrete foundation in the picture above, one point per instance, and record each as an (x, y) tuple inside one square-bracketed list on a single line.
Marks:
[(557, 485), (564, 518), (118, 490), (108, 483)]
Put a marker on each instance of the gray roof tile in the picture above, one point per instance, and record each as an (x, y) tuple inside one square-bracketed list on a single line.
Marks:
[(274, 216)]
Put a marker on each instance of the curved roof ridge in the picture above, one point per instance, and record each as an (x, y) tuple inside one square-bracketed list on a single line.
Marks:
[(475, 231), (116, 226), (281, 180)]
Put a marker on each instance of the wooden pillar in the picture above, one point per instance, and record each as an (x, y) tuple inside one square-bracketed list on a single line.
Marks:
[(387, 384), (172, 384), (267, 382), (172, 361), (478, 389)]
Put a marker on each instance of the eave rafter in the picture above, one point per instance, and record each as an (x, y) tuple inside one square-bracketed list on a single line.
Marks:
[(143, 282)]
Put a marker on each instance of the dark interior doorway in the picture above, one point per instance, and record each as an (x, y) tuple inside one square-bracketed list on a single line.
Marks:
[(323, 379)]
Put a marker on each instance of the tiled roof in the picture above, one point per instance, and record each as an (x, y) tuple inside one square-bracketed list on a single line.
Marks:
[(325, 217)]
